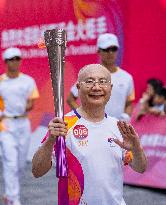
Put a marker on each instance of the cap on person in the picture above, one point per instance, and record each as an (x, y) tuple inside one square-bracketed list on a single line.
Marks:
[(10, 53), (107, 40)]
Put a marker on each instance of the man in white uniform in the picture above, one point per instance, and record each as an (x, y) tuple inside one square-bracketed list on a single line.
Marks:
[(18, 92), (97, 146), (120, 104)]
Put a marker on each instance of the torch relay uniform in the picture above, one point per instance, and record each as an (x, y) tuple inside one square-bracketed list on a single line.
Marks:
[(15, 129), (94, 163)]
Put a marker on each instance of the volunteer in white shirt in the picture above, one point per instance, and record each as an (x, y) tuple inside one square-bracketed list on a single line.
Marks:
[(18, 92)]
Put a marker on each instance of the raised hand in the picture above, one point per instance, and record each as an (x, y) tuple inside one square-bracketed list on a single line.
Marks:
[(130, 137)]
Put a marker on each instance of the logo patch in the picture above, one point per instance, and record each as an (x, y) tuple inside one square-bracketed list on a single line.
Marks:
[(111, 141), (80, 132)]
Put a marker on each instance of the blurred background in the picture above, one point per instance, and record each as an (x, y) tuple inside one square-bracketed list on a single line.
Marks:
[(140, 27)]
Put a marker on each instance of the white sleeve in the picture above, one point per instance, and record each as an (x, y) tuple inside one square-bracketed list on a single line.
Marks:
[(131, 90), (74, 90), (32, 91)]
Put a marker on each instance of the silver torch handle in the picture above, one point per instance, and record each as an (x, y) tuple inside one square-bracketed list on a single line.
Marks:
[(55, 41)]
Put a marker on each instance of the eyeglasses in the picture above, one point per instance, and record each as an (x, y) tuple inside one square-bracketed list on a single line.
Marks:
[(91, 83), (17, 58), (110, 49)]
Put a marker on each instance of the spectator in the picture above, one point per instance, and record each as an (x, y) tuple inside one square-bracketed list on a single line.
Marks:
[(159, 102), (153, 84)]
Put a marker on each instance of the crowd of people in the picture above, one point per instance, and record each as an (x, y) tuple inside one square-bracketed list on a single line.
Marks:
[(102, 153)]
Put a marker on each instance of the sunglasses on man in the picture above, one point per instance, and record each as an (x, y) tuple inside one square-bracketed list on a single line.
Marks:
[(16, 58), (110, 49)]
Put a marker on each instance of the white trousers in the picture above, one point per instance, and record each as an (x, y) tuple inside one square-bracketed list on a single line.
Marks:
[(14, 143)]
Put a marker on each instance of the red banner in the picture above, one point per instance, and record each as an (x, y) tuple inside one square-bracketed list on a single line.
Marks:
[(152, 132), (23, 24), (140, 31)]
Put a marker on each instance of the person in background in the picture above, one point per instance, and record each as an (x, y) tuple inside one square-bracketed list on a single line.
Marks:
[(123, 94), (97, 145), (159, 102), (147, 100), (18, 93)]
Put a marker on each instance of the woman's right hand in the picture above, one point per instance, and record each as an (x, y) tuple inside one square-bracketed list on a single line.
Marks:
[(57, 127)]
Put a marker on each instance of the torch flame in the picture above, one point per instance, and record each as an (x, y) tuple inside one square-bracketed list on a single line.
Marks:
[(41, 43)]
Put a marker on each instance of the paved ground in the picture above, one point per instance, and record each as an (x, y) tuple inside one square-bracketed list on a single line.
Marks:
[(43, 191)]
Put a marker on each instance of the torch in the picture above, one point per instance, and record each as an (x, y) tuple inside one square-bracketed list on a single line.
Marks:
[(55, 42)]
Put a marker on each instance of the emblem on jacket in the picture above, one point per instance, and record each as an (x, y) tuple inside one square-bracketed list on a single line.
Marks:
[(80, 132)]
